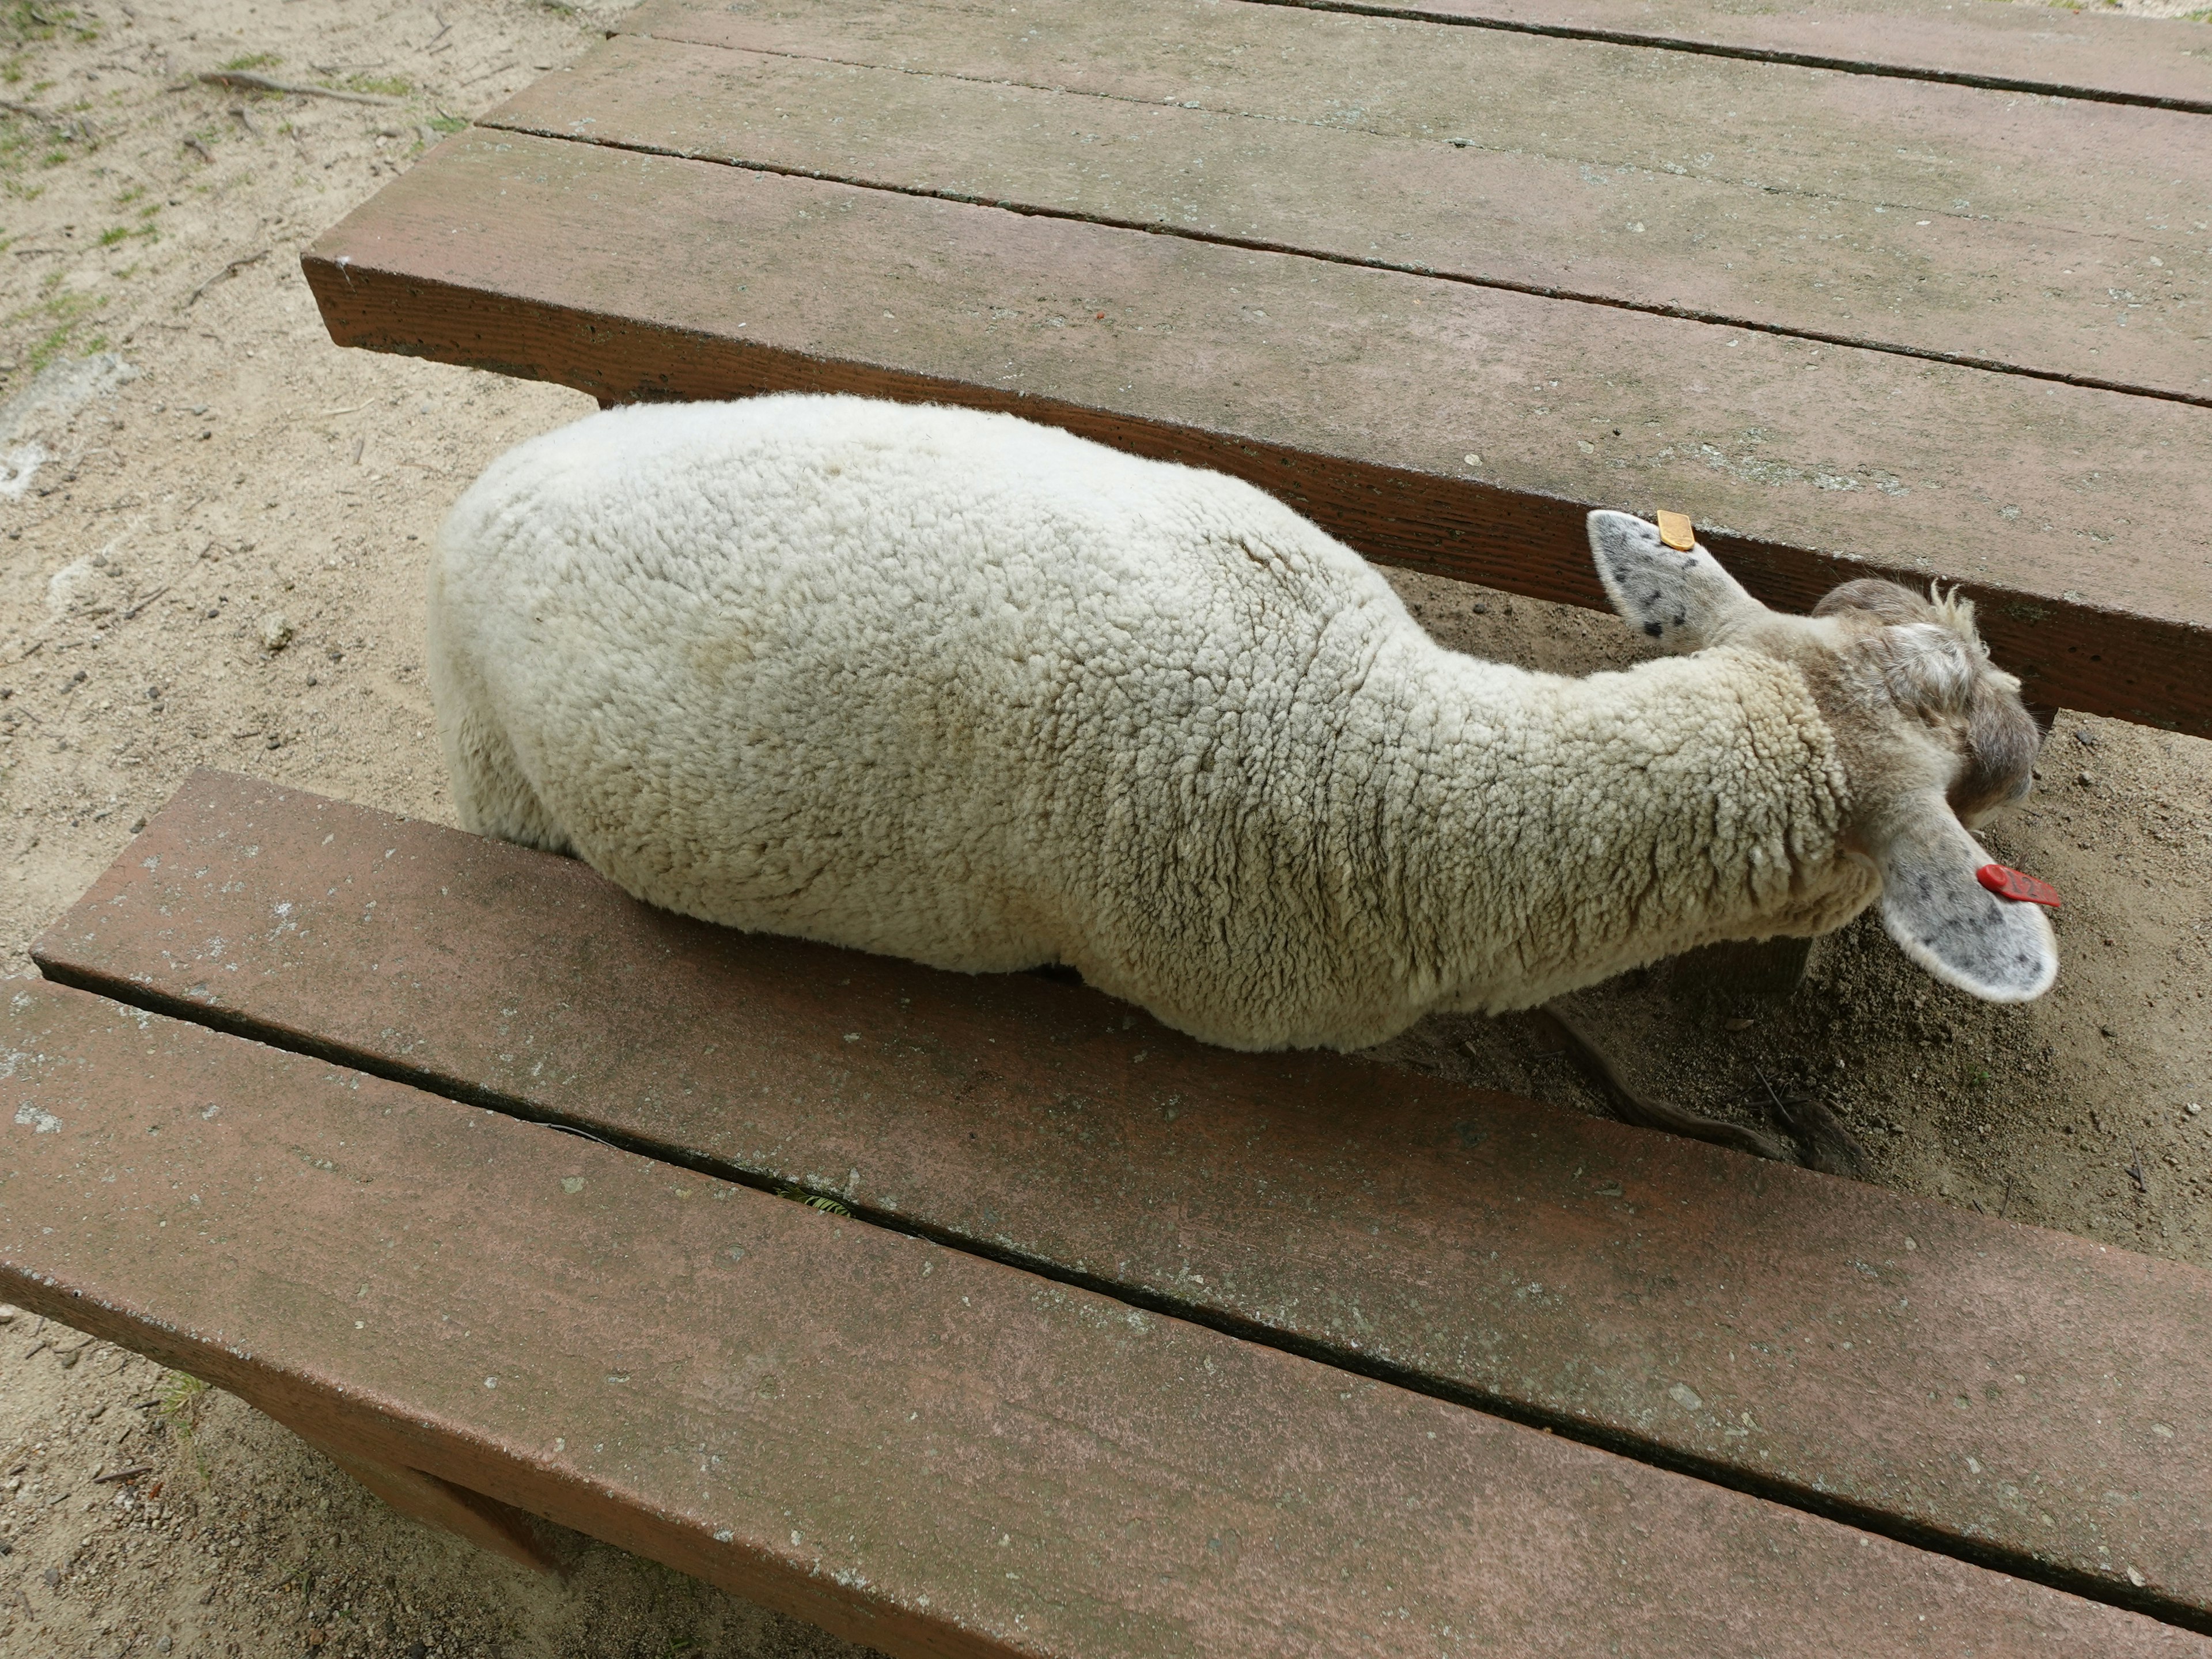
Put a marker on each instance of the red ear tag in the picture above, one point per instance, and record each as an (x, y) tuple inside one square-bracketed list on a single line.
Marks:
[(2013, 885)]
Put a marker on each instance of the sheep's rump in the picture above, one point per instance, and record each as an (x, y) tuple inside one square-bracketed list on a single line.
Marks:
[(940, 683)]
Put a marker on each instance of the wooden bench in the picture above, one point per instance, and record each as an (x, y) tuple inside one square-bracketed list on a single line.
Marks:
[(1123, 1345), (1862, 287)]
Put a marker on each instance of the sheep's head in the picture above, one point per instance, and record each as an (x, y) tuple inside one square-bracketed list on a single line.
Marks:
[(1933, 737)]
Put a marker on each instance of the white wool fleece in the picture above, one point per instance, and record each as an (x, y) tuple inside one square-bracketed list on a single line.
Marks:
[(972, 691)]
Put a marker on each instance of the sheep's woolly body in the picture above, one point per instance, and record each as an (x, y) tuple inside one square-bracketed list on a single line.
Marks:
[(965, 689)]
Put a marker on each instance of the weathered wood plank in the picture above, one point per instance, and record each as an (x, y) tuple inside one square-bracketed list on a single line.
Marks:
[(2025, 289), (1355, 394), (921, 1449), (2078, 54), (1929, 151), (2026, 1395)]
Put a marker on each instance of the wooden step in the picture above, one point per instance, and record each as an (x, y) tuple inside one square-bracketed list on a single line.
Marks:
[(2021, 1396), (1355, 394), (918, 1449)]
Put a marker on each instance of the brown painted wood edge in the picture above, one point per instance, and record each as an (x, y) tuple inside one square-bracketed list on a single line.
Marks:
[(52, 954), (2068, 653), (390, 1432), (1466, 17)]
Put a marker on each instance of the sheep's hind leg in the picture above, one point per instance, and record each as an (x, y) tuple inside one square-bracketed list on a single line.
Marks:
[(1640, 1109), (1829, 1147), (491, 795)]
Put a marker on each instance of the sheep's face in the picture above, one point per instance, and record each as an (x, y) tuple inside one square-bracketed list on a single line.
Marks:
[(1933, 737), (1897, 663)]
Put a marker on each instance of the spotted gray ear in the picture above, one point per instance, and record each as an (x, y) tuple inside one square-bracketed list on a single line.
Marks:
[(1680, 600), (1945, 919)]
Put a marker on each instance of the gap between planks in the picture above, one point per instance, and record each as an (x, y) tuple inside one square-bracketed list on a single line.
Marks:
[(1749, 54)]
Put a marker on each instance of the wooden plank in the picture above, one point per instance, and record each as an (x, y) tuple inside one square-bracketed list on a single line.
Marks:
[(2030, 1398), (2098, 56), (923, 1450), (1936, 150), (1354, 394), (2060, 252)]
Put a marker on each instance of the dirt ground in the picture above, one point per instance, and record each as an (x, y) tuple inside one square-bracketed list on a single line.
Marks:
[(212, 519)]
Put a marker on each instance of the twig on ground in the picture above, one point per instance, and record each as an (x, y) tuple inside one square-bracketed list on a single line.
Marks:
[(240, 79), (15, 108), (144, 603), (230, 269), (200, 150), (131, 1474)]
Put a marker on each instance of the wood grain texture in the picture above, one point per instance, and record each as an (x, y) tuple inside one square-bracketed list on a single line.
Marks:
[(1354, 394), (2030, 1397), (921, 1450), (2091, 216), (2091, 55), (1936, 149), (2036, 286)]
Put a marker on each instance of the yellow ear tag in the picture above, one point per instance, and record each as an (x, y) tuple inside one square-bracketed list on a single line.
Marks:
[(1674, 530)]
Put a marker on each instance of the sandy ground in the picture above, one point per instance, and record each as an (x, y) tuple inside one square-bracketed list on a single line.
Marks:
[(190, 474)]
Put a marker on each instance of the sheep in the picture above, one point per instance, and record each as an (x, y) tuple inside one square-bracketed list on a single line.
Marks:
[(963, 689)]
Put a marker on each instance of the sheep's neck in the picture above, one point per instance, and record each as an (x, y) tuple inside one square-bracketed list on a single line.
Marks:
[(1575, 828)]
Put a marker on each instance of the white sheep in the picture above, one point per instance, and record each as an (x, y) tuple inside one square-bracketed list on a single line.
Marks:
[(972, 691)]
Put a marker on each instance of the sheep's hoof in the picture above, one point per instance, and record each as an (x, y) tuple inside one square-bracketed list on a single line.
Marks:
[(1828, 1146)]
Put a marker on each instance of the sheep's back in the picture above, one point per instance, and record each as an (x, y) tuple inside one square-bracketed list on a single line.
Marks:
[(936, 682)]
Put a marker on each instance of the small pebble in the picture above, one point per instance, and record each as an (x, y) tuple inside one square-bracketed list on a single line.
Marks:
[(2087, 780), (276, 631), (8, 1314), (2193, 1108), (2106, 1030)]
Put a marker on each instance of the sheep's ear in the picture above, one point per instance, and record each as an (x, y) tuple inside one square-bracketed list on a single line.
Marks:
[(1680, 600), (1937, 910)]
